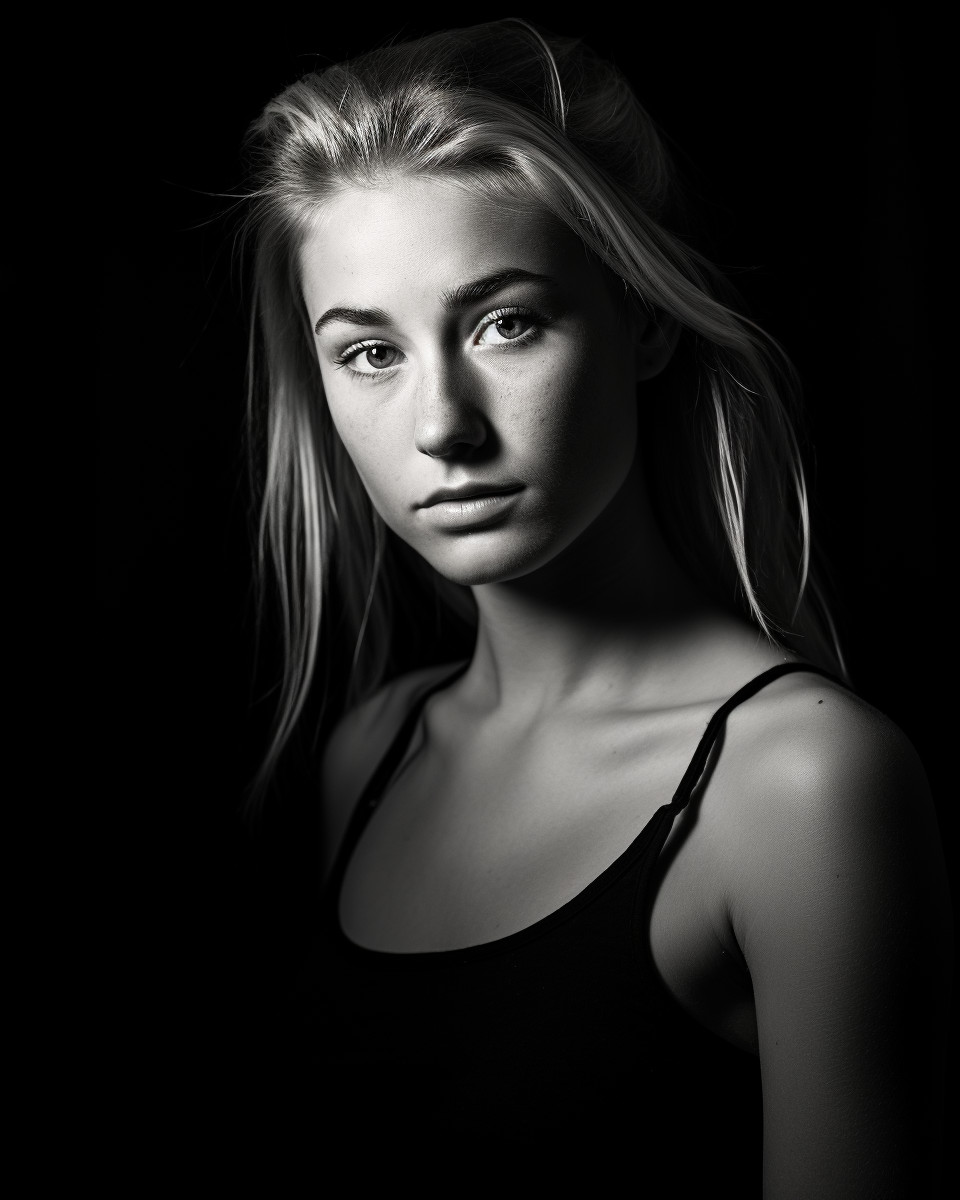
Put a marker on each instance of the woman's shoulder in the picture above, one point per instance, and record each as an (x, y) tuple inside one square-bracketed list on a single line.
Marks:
[(359, 741), (803, 771), (814, 779), (370, 725), (807, 738)]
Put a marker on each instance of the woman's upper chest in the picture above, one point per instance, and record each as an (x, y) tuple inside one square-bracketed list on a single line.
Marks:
[(481, 836)]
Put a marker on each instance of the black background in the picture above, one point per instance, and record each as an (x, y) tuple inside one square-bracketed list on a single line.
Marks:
[(805, 141)]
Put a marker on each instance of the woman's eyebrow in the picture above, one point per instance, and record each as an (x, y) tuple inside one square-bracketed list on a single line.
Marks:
[(458, 297), (352, 316), (479, 289)]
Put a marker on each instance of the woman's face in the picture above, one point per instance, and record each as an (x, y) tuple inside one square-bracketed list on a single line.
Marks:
[(479, 369)]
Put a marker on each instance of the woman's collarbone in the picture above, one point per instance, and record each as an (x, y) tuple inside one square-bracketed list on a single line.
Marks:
[(470, 847)]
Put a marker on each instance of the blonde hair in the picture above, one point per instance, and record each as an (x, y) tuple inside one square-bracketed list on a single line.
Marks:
[(541, 120)]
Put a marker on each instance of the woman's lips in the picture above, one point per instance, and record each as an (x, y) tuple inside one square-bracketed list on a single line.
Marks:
[(469, 508), (469, 491)]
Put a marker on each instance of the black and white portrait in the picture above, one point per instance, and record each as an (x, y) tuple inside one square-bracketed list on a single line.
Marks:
[(517, 556)]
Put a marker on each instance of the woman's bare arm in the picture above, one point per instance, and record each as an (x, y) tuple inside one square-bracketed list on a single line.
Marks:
[(839, 904)]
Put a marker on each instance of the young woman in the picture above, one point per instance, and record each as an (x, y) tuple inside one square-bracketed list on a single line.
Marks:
[(639, 876)]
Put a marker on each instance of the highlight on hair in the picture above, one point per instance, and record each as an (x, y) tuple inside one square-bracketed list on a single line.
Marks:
[(526, 118)]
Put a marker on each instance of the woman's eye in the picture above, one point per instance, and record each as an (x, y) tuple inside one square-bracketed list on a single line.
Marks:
[(369, 359), (503, 327)]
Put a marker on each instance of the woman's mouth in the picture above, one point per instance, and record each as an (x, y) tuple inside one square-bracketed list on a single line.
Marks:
[(472, 506)]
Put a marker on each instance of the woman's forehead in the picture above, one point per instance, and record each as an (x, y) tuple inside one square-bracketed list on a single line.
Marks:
[(427, 236)]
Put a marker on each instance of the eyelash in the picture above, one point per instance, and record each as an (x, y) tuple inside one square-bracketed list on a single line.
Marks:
[(538, 323), (347, 356)]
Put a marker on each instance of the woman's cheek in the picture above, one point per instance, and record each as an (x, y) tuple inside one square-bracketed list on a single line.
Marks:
[(593, 419), (355, 423), (376, 456)]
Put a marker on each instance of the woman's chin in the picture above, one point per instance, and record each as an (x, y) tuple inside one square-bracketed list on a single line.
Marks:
[(476, 559)]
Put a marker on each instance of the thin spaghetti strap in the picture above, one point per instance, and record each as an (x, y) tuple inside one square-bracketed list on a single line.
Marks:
[(691, 776)]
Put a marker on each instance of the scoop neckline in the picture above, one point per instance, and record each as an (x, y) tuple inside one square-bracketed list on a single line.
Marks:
[(596, 885), (499, 945)]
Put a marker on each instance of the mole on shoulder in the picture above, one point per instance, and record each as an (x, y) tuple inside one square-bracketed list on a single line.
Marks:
[(819, 701)]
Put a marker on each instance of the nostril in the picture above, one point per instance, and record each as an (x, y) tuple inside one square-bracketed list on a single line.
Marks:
[(447, 447)]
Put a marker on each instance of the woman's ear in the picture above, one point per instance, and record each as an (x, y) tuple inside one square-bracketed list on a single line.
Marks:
[(655, 339)]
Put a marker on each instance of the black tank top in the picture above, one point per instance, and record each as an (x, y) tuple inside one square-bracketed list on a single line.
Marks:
[(558, 1044)]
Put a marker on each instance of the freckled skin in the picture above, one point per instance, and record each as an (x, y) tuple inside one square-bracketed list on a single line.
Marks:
[(556, 414)]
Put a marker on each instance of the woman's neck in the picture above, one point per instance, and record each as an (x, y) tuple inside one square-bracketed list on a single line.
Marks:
[(612, 616)]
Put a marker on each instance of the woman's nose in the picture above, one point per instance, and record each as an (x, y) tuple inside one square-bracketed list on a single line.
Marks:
[(449, 420)]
